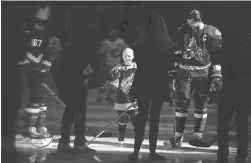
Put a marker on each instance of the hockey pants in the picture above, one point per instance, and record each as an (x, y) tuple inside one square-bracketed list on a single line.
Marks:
[(35, 110), (184, 88), (124, 120)]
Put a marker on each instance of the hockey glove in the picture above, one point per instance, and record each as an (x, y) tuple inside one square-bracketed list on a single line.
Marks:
[(216, 79)]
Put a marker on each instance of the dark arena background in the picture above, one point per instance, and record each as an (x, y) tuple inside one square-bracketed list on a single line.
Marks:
[(68, 20)]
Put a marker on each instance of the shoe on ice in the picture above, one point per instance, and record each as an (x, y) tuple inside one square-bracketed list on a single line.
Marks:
[(43, 132), (83, 150), (64, 148), (222, 161), (175, 142), (133, 158), (156, 157)]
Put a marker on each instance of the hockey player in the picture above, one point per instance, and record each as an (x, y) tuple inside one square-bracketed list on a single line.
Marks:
[(110, 51), (122, 77), (197, 66), (34, 65)]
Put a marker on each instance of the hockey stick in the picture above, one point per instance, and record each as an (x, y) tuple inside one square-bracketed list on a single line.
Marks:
[(106, 134), (209, 144), (134, 104)]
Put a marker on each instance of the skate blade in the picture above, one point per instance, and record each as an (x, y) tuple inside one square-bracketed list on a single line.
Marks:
[(168, 144), (200, 144)]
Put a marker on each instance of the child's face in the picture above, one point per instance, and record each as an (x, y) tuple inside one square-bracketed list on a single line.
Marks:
[(128, 57)]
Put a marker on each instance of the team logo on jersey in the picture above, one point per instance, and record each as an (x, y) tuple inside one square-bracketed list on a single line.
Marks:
[(126, 83), (217, 32)]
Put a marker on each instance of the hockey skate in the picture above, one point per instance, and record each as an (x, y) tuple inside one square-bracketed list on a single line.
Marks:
[(32, 133), (197, 141), (121, 139), (174, 142), (42, 131)]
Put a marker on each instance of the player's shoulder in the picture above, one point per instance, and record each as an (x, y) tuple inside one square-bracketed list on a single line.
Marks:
[(213, 32)]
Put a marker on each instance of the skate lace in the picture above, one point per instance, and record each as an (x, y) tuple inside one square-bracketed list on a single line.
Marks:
[(197, 135), (33, 130), (42, 129)]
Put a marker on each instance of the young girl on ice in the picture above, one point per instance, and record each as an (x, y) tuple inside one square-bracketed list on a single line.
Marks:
[(122, 78)]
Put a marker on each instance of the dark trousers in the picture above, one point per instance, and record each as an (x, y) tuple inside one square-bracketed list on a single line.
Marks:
[(235, 98), (73, 92), (147, 104)]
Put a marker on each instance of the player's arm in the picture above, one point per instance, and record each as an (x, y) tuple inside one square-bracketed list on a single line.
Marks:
[(24, 40), (46, 58), (216, 55)]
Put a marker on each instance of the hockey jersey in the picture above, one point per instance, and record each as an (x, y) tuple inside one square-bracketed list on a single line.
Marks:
[(199, 50), (123, 77), (36, 41)]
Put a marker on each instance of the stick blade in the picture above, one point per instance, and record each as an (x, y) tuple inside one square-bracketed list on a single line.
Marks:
[(106, 134), (201, 144)]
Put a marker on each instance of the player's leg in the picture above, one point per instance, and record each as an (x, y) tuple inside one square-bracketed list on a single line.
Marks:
[(200, 113), (33, 108), (40, 124), (122, 125), (181, 110)]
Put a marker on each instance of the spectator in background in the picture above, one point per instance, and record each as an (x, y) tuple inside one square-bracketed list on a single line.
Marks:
[(110, 54), (55, 47)]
